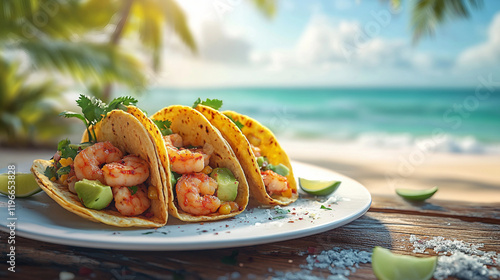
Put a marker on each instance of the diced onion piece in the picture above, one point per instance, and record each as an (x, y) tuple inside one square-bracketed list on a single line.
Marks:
[(152, 193)]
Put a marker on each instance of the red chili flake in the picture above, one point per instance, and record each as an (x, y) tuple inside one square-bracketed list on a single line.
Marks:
[(204, 230), (216, 233), (202, 223), (301, 218), (85, 271), (293, 209), (291, 222), (312, 250), (227, 226)]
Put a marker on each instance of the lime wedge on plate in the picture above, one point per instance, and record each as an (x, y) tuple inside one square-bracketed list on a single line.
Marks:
[(25, 184), (417, 195), (389, 266), (318, 187)]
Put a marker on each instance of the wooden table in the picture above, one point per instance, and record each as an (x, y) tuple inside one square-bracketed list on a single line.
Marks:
[(389, 223)]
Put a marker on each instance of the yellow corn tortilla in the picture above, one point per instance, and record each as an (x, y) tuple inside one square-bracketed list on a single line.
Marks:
[(260, 136), (196, 130), (129, 135)]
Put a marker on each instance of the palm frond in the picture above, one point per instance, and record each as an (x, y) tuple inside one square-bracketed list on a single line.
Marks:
[(176, 19), (267, 7), (86, 62), (428, 14)]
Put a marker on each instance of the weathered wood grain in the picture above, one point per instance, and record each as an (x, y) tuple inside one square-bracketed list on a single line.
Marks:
[(383, 226), (487, 213)]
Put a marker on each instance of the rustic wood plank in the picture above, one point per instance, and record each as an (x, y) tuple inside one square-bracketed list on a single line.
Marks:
[(473, 212), (40, 260)]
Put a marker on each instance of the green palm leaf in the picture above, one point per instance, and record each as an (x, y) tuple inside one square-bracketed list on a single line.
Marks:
[(428, 14), (87, 62), (267, 7)]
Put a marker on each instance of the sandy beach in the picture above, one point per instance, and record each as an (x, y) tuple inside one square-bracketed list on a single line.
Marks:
[(462, 177)]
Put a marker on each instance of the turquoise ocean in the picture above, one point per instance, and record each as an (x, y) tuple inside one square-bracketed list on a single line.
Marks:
[(458, 120)]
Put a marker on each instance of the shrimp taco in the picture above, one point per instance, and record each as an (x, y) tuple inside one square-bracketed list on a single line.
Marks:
[(266, 165), (208, 182), (115, 176)]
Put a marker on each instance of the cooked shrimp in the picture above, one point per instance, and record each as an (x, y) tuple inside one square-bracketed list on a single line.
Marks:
[(185, 161), (174, 140), (195, 194), (274, 182), (255, 150), (206, 152), (130, 171), (128, 204), (87, 162)]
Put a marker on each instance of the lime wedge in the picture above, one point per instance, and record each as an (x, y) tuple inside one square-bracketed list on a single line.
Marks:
[(417, 195), (318, 187), (389, 266), (25, 184)]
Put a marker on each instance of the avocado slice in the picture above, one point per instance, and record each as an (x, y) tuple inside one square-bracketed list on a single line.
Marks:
[(228, 186), (93, 194)]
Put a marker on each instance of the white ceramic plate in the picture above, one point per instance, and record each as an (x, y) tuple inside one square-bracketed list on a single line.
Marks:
[(40, 218)]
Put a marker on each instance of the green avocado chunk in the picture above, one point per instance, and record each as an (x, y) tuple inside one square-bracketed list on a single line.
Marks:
[(228, 186), (281, 169), (93, 194)]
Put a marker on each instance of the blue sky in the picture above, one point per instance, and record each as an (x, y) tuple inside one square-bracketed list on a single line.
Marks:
[(347, 43)]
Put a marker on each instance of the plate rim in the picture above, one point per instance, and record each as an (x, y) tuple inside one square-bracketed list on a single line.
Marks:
[(152, 244)]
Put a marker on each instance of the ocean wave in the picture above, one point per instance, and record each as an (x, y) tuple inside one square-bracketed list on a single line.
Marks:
[(442, 144)]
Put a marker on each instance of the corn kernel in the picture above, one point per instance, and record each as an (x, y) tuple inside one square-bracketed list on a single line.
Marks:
[(53, 179), (287, 193), (66, 161), (152, 194), (225, 209), (207, 170), (63, 178)]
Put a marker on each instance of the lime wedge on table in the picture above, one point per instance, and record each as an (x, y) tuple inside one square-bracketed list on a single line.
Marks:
[(318, 187), (417, 195), (25, 184), (389, 266)]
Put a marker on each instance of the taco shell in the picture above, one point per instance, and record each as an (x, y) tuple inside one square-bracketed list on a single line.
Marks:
[(129, 135), (259, 136), (196, 130)]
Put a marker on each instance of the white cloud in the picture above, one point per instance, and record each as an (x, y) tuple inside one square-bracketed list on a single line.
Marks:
[(217, 45), (326, 43), (486, 54)]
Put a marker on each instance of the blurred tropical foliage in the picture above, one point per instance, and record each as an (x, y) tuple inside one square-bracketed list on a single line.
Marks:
[(94, 45), (426, 15), (43, 42)]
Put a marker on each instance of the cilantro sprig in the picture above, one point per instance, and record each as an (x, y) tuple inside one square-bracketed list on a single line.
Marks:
[(164, 126), (237, 123), (216, 104), (94, 110)]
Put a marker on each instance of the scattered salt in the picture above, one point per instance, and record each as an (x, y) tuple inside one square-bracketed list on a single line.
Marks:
[(459, 259), (339, 262)]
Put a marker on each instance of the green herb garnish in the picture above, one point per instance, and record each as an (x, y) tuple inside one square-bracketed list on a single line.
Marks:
[(237, 123), (133, 189), (94, 110), (164, 126), (50, 172), (212, 103), (231, 259), (64, 170), (66, 149), (325, 208)]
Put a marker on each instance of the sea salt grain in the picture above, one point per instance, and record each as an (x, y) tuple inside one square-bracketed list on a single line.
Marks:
[(459, 259), (339, 262)]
